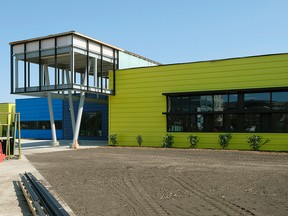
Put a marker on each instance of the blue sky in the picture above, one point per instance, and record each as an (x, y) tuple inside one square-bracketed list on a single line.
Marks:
[(163, 30)]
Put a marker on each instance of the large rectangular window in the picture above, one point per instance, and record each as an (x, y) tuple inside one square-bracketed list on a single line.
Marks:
[(235, 111), (39, 125)]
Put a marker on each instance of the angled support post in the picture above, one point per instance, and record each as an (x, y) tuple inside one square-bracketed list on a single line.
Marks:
[(71, 107), (75, 143), (52, 122)]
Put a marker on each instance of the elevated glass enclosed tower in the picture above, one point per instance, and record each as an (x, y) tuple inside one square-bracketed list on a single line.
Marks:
[(68, 65), (67, 61)]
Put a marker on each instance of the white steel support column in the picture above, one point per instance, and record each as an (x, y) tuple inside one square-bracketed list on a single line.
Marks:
[(75, 144), (52, 122), (53, 127), (71, 107)]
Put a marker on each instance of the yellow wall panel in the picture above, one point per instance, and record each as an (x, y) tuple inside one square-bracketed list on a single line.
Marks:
[(6, 108), (137, 107)]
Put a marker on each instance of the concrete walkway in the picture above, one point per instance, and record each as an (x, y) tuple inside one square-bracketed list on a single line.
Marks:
[(12, 201)]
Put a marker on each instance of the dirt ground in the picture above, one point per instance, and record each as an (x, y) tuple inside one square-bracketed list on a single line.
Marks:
[(152, 181)]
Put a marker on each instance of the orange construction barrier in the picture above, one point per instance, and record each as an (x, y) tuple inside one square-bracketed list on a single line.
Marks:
[(2, 156)]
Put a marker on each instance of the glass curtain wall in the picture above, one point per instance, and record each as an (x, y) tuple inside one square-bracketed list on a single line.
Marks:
[(63, 63)]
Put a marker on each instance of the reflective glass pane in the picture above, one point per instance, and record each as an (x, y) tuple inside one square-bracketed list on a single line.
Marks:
[(280, 122), (193, 123), (218, 123), (19, 75), (175, 103), (280, 101), (231, 122), (185, 104), (220, 102), (257, 101), (178, 123), (233, 101), (169, 104), (206, 103), (205, 122), (200, 122), (265, 124), (251, 122), (195, 104)]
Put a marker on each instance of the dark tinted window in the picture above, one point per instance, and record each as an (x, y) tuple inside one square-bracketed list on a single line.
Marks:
[(195, 104), (39, 125), (233, 101), (235, 112), (91, 124), (257, 101), (280, 101), (280, 122)]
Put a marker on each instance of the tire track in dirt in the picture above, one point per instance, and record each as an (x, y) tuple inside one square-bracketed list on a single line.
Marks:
[(131, 203), (177, 210), (150, 205), (224, 201), (220, 204)]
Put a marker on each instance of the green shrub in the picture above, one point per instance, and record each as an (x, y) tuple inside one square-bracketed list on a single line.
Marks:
[(256, 142), (167, 141), (224, 140), (139, 140), (113, 139), (193, 140)]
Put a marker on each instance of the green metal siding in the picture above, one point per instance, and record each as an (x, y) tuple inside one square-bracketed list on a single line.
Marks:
[(6, 118), (138, 104)]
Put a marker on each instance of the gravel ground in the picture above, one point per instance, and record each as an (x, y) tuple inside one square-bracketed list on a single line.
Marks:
[(152, 181)]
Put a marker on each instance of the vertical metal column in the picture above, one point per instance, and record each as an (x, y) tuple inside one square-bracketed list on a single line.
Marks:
[(71, 107), (25, 69), (52, 122), (12, 70), (40, 67), (75, 144), (95, 73)]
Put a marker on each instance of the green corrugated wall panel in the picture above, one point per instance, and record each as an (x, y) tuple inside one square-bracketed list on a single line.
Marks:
[(138, 105), (199, 74), (4, 108), (4, 119)]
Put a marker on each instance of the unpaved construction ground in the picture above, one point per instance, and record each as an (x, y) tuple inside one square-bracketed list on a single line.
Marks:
[(152, 181)]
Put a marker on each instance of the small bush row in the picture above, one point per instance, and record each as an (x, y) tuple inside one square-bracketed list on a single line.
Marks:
[(113, 140), (255, 141)]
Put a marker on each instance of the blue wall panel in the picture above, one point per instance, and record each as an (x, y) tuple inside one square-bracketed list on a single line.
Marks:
[(36, 109)]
